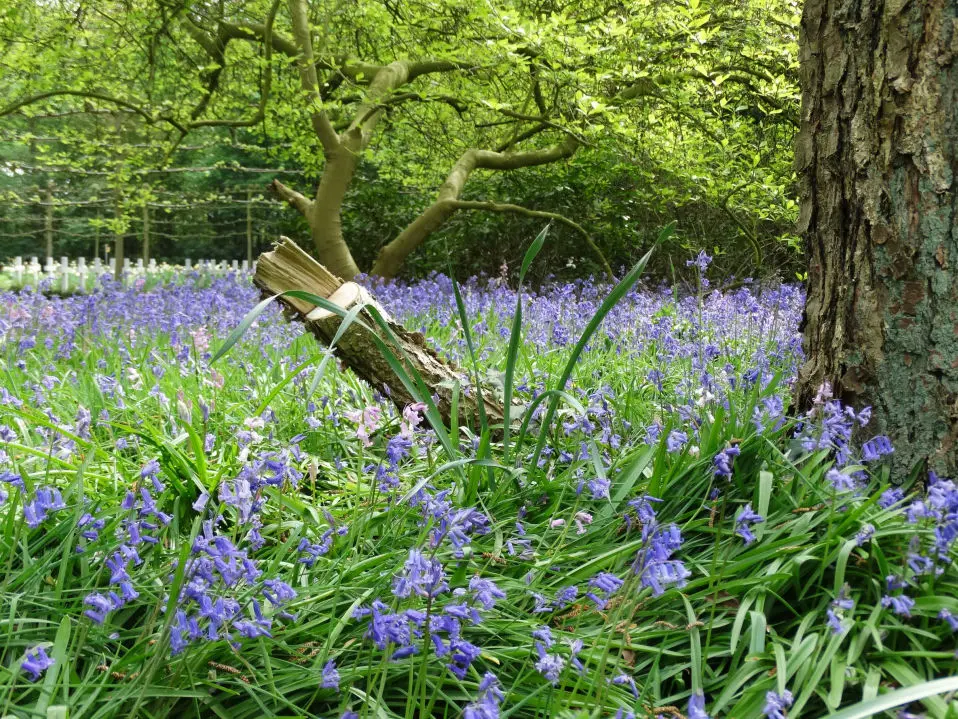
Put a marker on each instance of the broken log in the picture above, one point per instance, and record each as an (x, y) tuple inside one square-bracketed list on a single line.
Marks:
[(288, 267)]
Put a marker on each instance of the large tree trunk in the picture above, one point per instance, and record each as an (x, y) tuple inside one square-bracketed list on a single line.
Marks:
[(876, 156)]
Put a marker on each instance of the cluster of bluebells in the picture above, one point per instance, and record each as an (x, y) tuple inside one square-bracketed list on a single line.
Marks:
[(654, 565), (401, 633), (935, 514)]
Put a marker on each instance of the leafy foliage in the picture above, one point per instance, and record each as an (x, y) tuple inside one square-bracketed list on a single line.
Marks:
[(681, 110)]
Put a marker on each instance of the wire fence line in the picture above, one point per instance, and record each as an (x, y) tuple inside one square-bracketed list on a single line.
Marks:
[(79, 275)]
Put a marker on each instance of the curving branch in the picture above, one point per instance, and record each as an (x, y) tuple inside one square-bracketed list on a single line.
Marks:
[(392, 255), (309, 79), (289, 195), (520, 210), (151, 119)]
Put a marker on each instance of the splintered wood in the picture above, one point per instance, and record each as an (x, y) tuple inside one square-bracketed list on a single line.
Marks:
[(288, 267)]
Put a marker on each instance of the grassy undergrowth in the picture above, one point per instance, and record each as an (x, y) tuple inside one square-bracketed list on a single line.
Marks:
[(267, 536)]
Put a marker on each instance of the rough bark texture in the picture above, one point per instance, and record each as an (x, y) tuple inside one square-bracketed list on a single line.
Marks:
[(877, 156), (288, 267)]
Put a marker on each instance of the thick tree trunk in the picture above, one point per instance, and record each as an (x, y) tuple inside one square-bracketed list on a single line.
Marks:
[(288, 267), (876, 157)]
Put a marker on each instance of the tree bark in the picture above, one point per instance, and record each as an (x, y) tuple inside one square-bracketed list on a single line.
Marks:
[(288, 267), (876, 157)]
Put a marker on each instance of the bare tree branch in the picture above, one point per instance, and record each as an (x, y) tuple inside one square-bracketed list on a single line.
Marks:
[(519, 210), (295, 199)]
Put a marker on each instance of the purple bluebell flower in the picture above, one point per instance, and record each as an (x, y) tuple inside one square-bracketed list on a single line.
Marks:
[(420, 575), (627, 681), (723, 461), (776, 705), (900, 604), (330, 678), (676, 440), (35, 662), (947, 616), (604, 585), (489, 698), (891, 497), (550, 666), (840, 481), (486, 592), (696, 708), (701, 261), (599, 487), (864, 534), (743, 519), (876, 448)]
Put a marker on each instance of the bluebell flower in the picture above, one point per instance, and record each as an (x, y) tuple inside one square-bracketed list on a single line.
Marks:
[(890, 497), (487, 703), (864, 534), (314, 551), (701, 261), (486, 592), (653, 563), (604, 585), (946, 616), (420, 575), (676, 440), (901, 604), (575, 647), (776, 705), (550, 666), (15, 480), (874, 449), (330, 678), (696, 708), (461, 654), (44, 501), (723, 461), (35, 662), (599, 487), (565, 597), (745, 517), (840, 481), (643, 508), (626, 680)]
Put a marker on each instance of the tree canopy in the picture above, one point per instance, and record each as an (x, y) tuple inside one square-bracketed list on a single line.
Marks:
[(396, 117)]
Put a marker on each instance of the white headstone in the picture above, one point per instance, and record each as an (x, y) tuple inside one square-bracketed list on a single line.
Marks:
[(139, 263), (234, 265), (187, 263), (245, 265)]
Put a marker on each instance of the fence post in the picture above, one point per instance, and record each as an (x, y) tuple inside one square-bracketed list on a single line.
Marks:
[(118, 242), (48, 221), (249, 226), (146, 232)]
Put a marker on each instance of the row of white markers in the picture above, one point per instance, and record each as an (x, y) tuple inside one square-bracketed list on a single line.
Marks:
[(79, 275)]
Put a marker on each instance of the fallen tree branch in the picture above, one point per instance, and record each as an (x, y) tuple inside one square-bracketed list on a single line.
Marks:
[(360, 344)]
